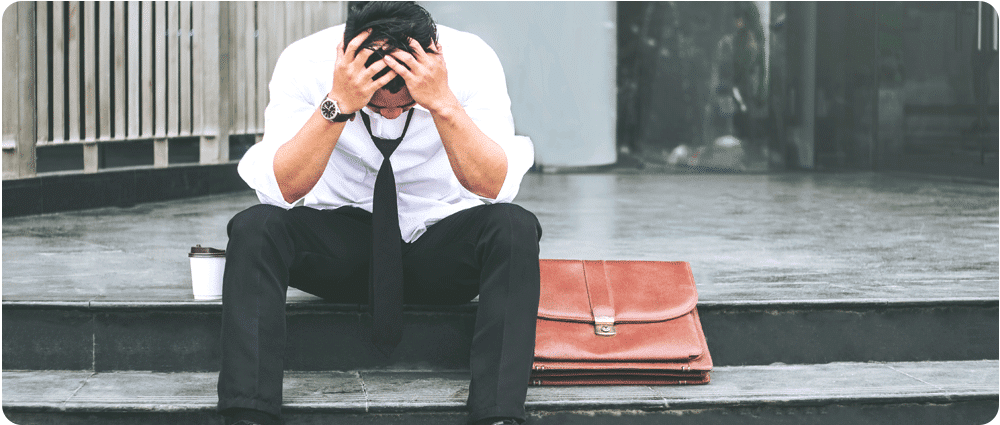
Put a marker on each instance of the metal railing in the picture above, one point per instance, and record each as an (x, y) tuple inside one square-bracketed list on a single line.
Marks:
[(97, 73)]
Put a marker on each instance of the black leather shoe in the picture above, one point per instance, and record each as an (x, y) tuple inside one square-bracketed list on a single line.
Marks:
[(239, 416), (502, 422)]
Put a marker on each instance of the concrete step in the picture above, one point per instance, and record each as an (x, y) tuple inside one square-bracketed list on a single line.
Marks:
[(165, 336), (957, 392)]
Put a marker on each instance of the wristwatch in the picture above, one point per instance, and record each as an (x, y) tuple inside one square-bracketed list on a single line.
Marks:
[(331, 111)]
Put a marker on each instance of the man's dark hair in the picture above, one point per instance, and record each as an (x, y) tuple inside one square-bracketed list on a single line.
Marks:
[(392, 23)]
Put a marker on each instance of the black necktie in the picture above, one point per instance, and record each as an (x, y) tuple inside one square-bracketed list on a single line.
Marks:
[(385, 290)]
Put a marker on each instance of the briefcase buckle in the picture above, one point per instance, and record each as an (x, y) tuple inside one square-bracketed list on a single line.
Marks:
[(605, 326)]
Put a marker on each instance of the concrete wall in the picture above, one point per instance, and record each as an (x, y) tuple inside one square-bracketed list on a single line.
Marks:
[(559, 59)]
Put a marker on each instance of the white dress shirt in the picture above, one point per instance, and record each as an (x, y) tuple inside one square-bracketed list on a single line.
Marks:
[(427, 187)]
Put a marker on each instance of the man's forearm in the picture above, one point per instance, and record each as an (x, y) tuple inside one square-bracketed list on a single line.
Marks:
[(478, 162), (300, 163)]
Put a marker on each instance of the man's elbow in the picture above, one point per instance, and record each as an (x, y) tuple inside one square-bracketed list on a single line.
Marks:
[(491, 194), (488, 189), (290, 196)]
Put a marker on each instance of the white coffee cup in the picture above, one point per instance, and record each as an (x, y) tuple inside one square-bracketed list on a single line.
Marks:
[(207, 268)]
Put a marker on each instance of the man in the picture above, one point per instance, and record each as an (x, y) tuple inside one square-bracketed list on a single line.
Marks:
[(385, 176)]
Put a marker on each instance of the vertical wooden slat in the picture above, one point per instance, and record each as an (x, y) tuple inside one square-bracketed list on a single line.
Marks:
[(340, 13), (121, 101), (104, 67), (134, 82), (317, 15), (11, 93), (293, 21), (173, 69), (322, 14), (212, 79), (89, 71), (276, 24), (27, 112), (239, 71), (263, 60), (160, 68), (185, 68), (58, 72), (250, 58), (42, 71), (146, 50), (199, 31), (300, 20), (73, 79), (287, 24), (307, 17)]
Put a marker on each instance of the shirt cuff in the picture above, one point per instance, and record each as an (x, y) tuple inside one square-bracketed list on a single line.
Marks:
[(257, 170)]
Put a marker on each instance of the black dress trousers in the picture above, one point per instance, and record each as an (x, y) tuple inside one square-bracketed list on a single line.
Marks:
[(488, 250)]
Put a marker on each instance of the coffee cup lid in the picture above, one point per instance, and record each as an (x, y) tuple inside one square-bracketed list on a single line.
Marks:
[(200, 251)]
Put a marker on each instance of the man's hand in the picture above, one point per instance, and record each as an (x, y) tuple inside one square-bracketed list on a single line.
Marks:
[(427, 78), (353, 86), (478, 162)]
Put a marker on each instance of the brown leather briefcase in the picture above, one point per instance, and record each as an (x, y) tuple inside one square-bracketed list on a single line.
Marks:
[(619, 323)]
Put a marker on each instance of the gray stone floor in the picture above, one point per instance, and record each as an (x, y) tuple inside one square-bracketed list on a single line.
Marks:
[(749, 238)]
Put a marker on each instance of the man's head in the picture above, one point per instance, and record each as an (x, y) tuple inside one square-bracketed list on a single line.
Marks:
[(392, 25)]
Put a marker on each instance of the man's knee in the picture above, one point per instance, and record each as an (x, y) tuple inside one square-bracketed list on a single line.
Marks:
[(513, 220), (255, 220)]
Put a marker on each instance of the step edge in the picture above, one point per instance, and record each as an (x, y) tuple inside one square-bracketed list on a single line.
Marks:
[(318, 306), (373, 407)]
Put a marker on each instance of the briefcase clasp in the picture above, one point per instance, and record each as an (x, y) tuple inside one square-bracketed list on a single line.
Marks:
[(604, 326)]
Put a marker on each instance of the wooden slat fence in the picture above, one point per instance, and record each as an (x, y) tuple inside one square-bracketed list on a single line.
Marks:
[(99, 73)]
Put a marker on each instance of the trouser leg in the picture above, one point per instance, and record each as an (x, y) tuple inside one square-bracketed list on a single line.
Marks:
[(267, 247), (491, 250)]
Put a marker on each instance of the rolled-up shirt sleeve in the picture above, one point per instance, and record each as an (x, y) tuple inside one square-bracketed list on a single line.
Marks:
[(486, 101), (288, 110)]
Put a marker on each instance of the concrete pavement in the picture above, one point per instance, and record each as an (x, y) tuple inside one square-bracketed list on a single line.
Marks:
[(762, 237)]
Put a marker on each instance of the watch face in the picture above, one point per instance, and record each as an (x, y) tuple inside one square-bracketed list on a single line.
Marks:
[(329, 109)]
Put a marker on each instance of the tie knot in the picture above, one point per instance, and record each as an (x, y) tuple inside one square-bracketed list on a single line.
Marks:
[(386, 146)]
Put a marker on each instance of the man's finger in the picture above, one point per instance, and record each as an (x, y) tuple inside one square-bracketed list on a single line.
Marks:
[(373, 69), (404, 57), (363, 55), (382, 81), (418, 50), (352, 47), (397, 67)]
